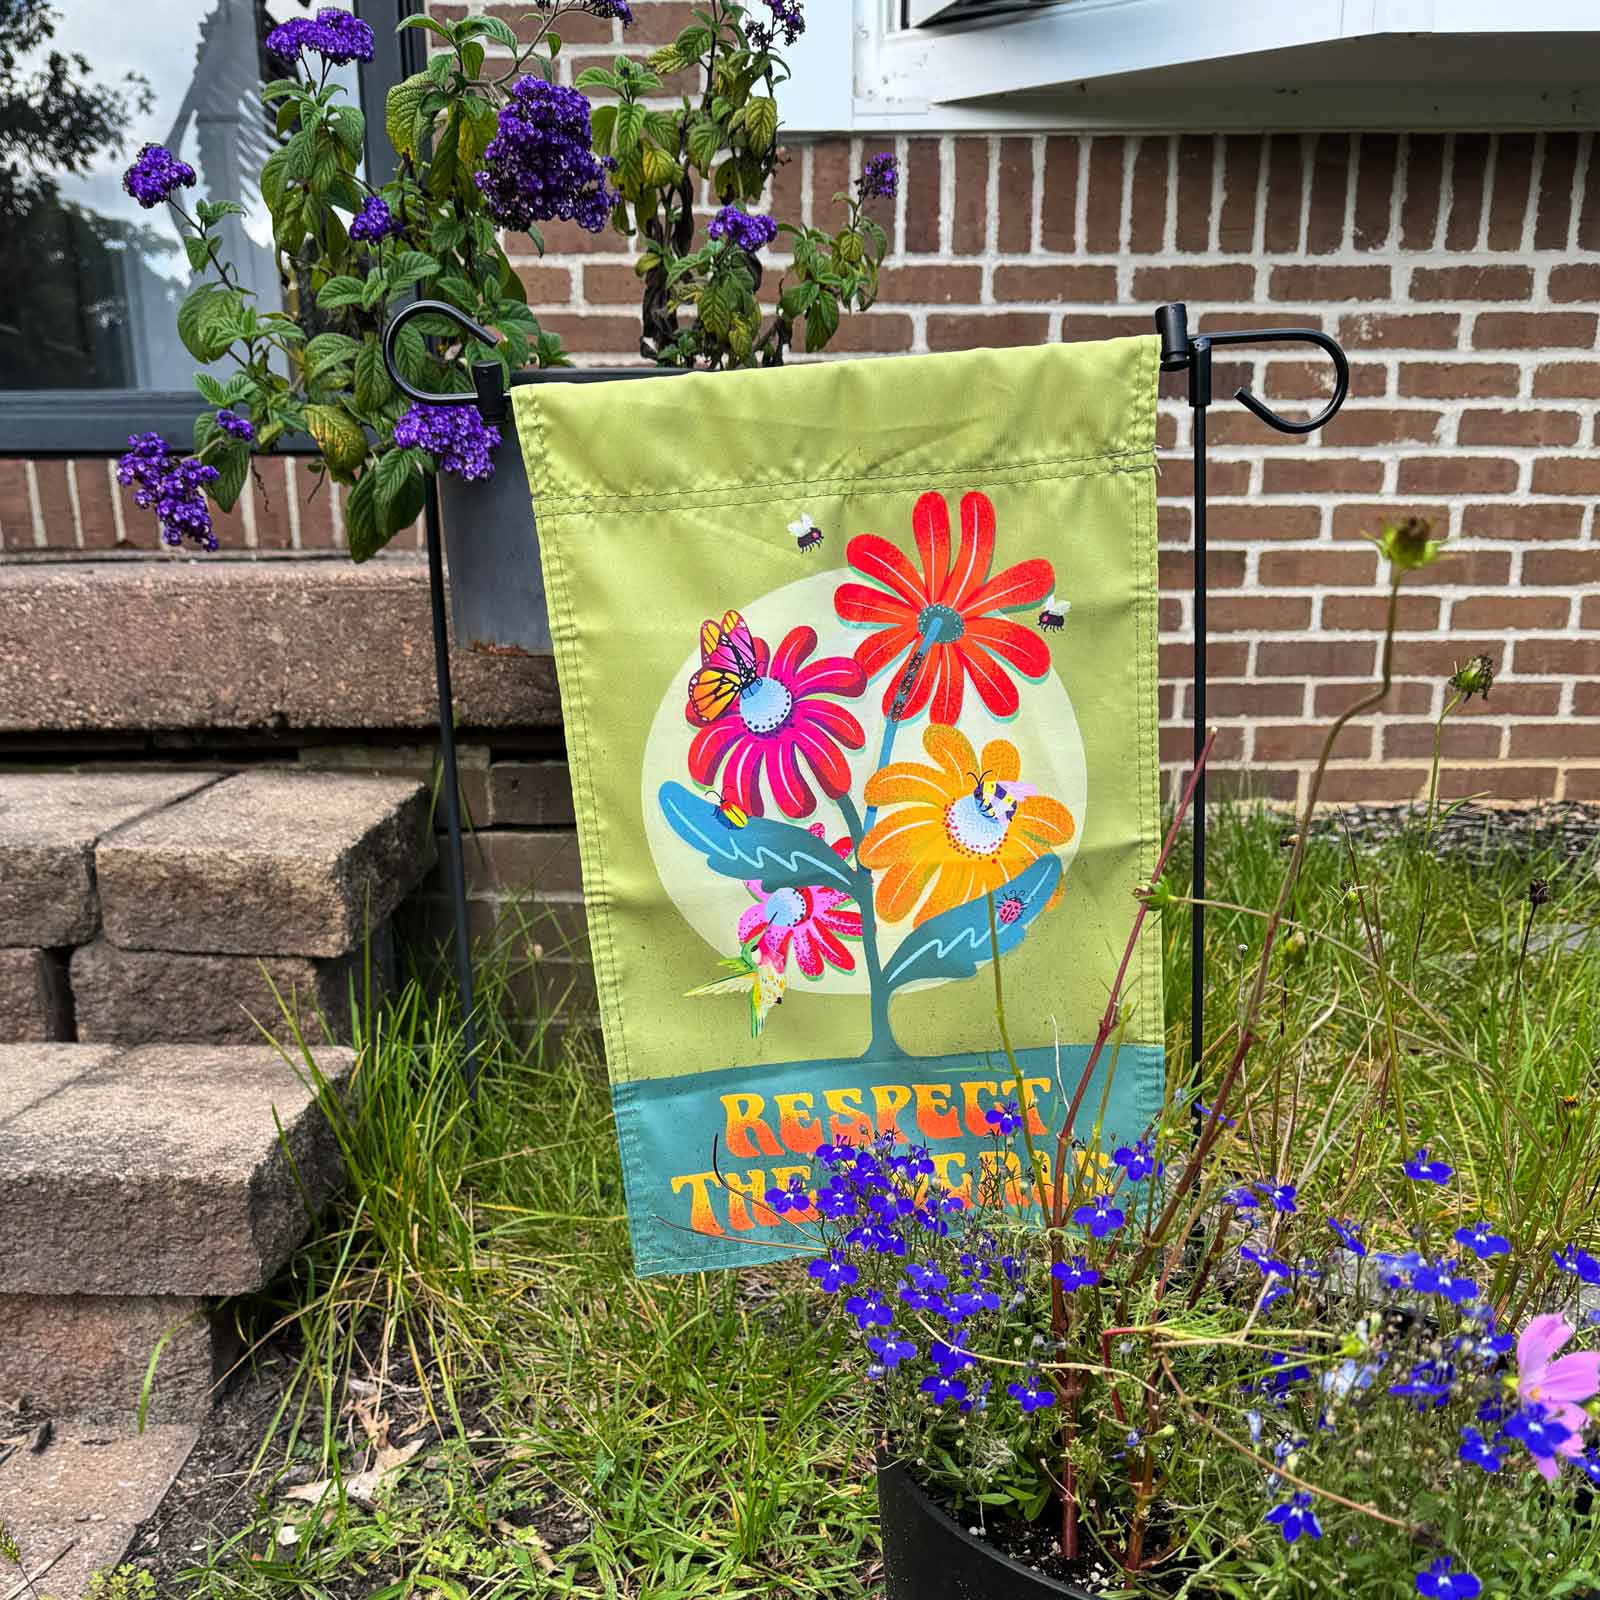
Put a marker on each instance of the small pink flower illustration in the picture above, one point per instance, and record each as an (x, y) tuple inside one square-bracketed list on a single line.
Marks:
[(807, 921)]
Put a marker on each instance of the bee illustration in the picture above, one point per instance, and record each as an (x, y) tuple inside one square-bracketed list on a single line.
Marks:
[(728, 667), (761, 984), (729, 813), (1054, 615), (996, 800), (807, 535)]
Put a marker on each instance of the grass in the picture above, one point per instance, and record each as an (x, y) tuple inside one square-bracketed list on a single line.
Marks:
[(592, 1435)]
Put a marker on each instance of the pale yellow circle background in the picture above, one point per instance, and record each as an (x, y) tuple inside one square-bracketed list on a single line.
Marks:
[(1044, 730)]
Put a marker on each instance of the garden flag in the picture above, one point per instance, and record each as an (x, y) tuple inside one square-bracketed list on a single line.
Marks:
[(858, 668)]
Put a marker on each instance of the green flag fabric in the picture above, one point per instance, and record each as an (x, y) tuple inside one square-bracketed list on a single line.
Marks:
[(858, 671)]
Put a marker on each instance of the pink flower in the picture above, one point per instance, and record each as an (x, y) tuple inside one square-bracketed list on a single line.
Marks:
[(772, 713), (1558, 1386), (808, 921)]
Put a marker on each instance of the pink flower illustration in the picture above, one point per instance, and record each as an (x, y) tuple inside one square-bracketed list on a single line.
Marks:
[(769, 713), (807, 921), (1558, 1386)]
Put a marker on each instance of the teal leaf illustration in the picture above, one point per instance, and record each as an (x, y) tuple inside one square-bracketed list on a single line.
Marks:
[(954, 943), (780, 855)]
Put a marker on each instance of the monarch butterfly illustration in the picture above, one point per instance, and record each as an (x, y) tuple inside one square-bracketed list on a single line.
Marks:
[(762, 984), (727, 667)]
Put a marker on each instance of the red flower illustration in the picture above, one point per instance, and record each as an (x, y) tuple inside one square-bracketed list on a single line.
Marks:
[(948, 610), (774, 716)]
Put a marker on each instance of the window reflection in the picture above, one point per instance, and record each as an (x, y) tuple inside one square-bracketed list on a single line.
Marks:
[(89, 283)]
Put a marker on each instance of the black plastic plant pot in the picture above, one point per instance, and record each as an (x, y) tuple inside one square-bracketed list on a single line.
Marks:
[(928, 1555)]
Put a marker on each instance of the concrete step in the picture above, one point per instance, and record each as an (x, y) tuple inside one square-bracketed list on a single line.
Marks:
[(268, 862)]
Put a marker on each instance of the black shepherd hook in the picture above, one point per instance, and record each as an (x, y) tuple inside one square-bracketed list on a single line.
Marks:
[(488, 377), (1183, 352)]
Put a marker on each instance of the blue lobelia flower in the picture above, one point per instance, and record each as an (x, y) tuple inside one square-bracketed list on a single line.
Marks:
[(1588, 1464), (925, 1276), (1579, 1263), (1269, 1266), (1206, 1112), (978, 1400), (1240, 1198), (944, 1389), (1444, 1581), (1138, 1160), (1099, 1216), (952, 1202), (869, 1311), (1421, 1168), (1477, 1451), (891, 1351), (833, 1272), (836, 1200), (1428, 1384), (1349, 1235), (1444, 1280), (793, 1197), (1281, 1196), (1003, 1118), (949, 1358), (1075, 1274), (1295, 1518), (1397, 1269), (1481, 1242), (1030, 1395), (1542, 1433)]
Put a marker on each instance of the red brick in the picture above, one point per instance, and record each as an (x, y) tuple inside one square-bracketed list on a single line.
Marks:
[(1561, 569), (1566, 475), (1534, 330), (97, 521), (1056, 283), (1369, 613), (867, 332), (921, 178), (1567, 380), (1585, 698), (1241, 169), (1304, 741), (595, 334), (1014, 219), (1176, 746), (969, 222), (1458, 380), (1224, 569), (1408, 741), (1316, 658), (830, 175), (978, 330), (1176, 477), (1508, 612), (610, 283), (1589, 218), (1457, 475), (1330, 193), (1469, 158), (1210, 321), (1236, 426), (1112, 325), (1472, 283), (1441, 657), (1103, 211), (1311, 380), (1147, 222), (1514, 699), (1169, 614), (1196, 154), (563, 240), (553, 285), (1556, 187), (1310, 474), (1513, 177), (1406, 698), (1361, 428), (1497, 783), (1575, 280), (787, 201), (1325, 566), (1425, 330), (940, 286), (1227, 700), (1364, 521), (1250, 785), (16, 508), (270, 503), (55, 504), (1565, 658), (1227, 659), (1225, 521), (1197, 283), (314, 496), (1472, 569), (1058, 211), (1375, 174), (1424, 183), (1329, 283), (1483, 425), (1544, 519), (1265, 613), (1372, 785), (1285, 192)]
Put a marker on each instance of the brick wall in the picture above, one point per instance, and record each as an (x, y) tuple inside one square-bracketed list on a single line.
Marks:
[(1462, 274)]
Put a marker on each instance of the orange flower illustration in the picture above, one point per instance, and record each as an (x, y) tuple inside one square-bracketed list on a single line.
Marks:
[(966, 824)]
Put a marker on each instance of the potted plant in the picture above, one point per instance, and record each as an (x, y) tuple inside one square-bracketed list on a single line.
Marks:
[(1320, 1328), (484, 144)]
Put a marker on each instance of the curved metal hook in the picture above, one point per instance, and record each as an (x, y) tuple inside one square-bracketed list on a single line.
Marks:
[(476, 329), (1341, 368)]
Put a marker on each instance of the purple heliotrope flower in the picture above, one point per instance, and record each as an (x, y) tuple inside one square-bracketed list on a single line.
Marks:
[(617, 9), (787, 21), (539, 165), (1444, 1581), (1295, 1518), (230, 422), (880, 178), (375, 221), (336, 36), (173, 486), (457, 438), (748, 233), (155, 174)]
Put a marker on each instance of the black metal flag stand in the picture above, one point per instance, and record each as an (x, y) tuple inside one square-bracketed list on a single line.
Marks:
[(1180, 352)]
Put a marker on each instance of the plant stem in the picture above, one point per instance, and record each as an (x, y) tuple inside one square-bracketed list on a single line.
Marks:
[(1024, 1108), (882, 1041)]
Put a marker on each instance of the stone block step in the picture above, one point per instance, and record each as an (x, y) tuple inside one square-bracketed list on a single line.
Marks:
[(157, 1169), (35, 1001), (50, 823), (268, 862)]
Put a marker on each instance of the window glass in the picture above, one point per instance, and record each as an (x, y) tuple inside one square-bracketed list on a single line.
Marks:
[(91, 283)]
